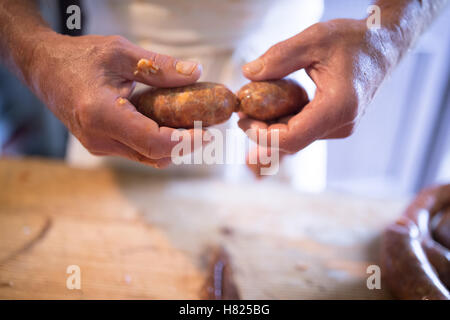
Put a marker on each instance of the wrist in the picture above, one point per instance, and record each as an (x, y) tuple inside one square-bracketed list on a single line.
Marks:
[(383, 41), (38, 49), (401, 23)]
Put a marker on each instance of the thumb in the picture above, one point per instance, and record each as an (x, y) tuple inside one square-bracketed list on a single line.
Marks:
[(156, 69), (281, 59)]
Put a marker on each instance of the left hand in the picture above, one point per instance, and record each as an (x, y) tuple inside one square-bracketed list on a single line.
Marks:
[(347, 62)]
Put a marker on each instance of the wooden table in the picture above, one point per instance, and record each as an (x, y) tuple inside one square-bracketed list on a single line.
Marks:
[(138, 236)]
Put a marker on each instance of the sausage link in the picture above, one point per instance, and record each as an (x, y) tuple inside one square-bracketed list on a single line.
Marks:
[(406, 269), (208, 102), (270, 100), (416, 264)]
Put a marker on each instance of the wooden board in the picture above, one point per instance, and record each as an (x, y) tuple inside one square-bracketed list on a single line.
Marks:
[(139, 236)]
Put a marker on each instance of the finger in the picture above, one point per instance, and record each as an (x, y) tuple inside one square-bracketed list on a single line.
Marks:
[(116, 148), (241, 115), (155, 69), (255, 167), (258, 131), (283, 58), (317, 120), (251, 127), (110, 147), (254, 160), (126, 125), (285, 120)]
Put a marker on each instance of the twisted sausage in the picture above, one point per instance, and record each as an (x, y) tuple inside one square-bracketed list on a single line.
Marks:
[(416, 263)]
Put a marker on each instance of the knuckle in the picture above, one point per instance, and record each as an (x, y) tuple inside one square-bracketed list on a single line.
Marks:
[(113, 48), (278, 50), (163, 60), (116, 41)]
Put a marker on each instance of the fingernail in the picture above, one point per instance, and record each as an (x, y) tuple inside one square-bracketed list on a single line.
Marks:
[(186, 67), (254, 67)]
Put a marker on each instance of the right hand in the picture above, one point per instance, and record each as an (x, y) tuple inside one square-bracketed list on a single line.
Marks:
[(87, 82), (346, 60)]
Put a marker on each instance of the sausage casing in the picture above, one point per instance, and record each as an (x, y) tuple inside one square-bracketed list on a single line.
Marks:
[(415, 264), (208, 102), (406, 268), (270, 100)]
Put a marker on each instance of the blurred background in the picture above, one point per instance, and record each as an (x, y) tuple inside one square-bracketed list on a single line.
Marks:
[(401, 145)]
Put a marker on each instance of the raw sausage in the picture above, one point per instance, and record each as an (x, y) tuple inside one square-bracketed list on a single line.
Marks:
[(208, 102), (415, 265), (270, 100), (442, 231)]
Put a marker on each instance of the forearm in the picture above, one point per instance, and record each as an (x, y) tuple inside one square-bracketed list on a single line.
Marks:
[(402, 23), (22, 31)]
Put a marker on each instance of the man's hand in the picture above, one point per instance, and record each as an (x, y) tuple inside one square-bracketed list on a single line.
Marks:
[(346, 62), (87, 81)]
